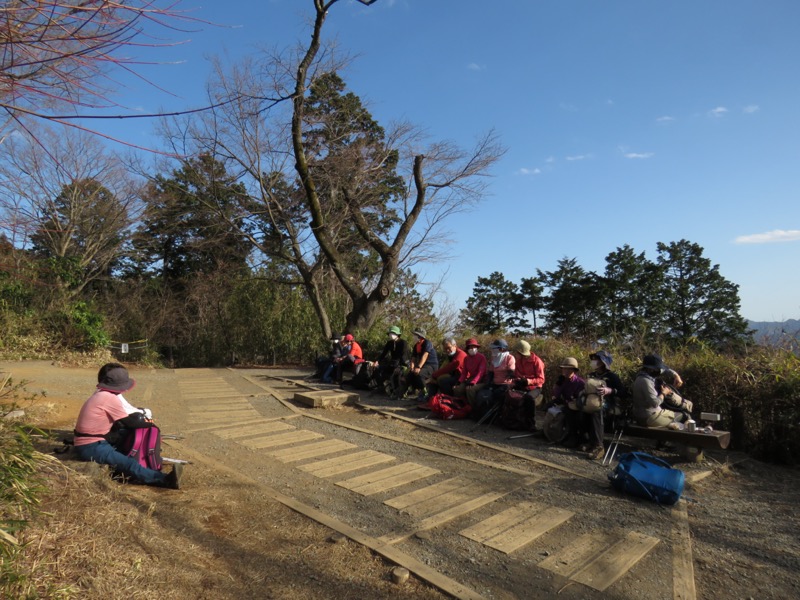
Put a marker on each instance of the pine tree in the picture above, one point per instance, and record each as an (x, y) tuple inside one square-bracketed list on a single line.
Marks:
[(699, 302), (493, 308)]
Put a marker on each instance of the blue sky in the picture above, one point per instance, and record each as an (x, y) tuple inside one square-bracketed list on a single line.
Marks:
[(626, 122)]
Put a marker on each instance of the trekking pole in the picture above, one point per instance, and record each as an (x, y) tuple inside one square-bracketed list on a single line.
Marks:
[(487, 415), (612, 448), (517, 437)]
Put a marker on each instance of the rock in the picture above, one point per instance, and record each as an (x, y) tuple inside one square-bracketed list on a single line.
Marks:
[(337, 538), (399, 575), (423, 535), (14, 414)]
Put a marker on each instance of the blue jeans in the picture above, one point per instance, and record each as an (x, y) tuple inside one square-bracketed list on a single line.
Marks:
[(104, 454)]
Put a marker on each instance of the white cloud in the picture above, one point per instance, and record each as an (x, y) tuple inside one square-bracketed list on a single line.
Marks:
[(578, 157), (568, 107), (776, 235), (718, 111), (526, 171), (639, 154), (550, 159), (750, 109), (475, 67), (665, 119)]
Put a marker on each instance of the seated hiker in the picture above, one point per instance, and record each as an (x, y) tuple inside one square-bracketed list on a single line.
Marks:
[(351, 359), (566, 392), (389, 366), (667, 385), (647, 398), (119, 431), (96, 420), (424, 361), (501, 367), (326, 365), (473, 372), (445, 378), (528, 376), (609, 391)]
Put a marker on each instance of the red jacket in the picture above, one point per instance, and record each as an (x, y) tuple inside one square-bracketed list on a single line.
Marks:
[(531, 368), (356, 352), (452, 366), (474, 369)]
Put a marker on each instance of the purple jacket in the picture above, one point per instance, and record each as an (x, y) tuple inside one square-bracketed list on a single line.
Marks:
[(568, 389)]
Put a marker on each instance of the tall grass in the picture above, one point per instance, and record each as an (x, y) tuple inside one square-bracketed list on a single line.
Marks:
[(20, 486)]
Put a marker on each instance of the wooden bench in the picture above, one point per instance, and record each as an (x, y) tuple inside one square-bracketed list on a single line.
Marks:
[(692, 442)]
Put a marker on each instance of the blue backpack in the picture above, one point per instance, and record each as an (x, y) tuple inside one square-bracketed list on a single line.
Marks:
[(648, 477)]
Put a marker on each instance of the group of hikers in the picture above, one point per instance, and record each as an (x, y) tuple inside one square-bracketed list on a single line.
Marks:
[(507, 378), (512, 378)]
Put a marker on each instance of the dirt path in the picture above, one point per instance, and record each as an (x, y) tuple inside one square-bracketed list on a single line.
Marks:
[(245, 542)]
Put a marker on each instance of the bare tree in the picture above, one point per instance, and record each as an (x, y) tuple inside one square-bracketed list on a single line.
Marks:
[(323, 174), (68, 199), (61, 54)]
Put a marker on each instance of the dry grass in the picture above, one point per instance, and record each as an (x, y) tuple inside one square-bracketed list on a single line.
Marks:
[(95, 538)]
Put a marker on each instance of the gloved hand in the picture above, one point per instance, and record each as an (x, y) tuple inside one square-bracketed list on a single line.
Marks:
[(148, 414)]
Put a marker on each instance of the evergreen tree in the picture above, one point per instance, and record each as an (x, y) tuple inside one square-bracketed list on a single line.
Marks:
[(632, 302), (185, 228), (493, 306), (530, 298), (699, 302), (574, 298)]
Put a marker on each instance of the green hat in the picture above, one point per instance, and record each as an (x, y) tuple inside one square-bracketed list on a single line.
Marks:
[(395, 330)]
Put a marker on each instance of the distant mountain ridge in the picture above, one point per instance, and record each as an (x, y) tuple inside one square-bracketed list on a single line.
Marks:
[(776, 333)]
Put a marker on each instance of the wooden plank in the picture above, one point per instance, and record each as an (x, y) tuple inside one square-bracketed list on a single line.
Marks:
[(458, 511), (347, 463), (426, 493), (612, 564), (527, 531), (434, 506), (200, 418), (269, 427), (240, 423), (201, 390), (324, 398), (683, 587), (216, 408), (458, 436), (577, 555), (312, 450), (497, 524), (395, 555), (420, 472), (282, 439), (715, 439), (213, 396), (376, 476)]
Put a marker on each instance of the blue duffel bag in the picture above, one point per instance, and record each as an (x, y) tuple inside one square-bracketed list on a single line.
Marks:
[(648, 477)]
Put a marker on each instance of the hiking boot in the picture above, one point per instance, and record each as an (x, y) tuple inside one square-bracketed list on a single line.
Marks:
[(597, 453), (173, 478)]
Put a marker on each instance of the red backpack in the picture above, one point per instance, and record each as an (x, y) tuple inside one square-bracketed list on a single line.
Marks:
[(449, 407)]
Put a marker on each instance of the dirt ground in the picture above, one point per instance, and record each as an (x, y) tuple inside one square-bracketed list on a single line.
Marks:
[(225, 535)]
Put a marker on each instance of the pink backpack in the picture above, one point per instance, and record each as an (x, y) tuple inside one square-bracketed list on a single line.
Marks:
[(143, 444)]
